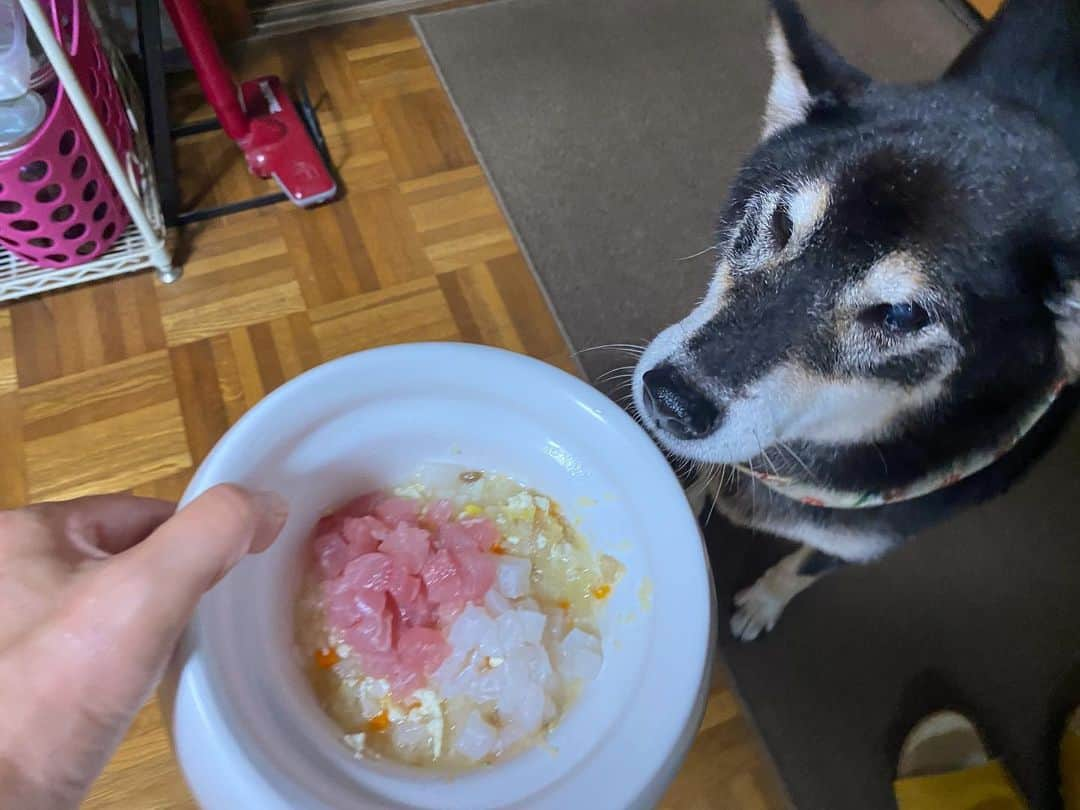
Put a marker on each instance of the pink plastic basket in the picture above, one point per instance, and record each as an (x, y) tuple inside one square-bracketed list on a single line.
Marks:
[(58, 207)]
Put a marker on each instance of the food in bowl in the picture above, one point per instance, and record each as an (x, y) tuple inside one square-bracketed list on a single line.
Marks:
[(451, 622)]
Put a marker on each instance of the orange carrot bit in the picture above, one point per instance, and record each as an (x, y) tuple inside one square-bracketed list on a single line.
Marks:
[(564, 604), (498, 549), (380, 722), (601, 591), (326, 657)]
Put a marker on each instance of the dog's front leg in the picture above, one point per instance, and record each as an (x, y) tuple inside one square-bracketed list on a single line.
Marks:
[(758, 607)]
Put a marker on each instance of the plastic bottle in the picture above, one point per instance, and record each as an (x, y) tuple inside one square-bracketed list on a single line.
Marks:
[(22, 109)]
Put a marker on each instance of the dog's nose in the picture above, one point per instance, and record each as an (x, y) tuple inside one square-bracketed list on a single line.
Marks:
[(677, 406)]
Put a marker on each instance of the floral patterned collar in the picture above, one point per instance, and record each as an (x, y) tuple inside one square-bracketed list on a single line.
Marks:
[(816, 495)]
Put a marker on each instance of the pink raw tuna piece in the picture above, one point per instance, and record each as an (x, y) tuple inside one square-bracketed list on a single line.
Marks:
[(439, 512), (395, 511), (386, 582), (477, 573), (441, 576), (408, 593), (368, 571), (379, 664), (409, 546), (403, 586), (328, 523), (331, 554), (422, 649), (375, 634), (455, 537), (363, 534), (361, 614), (361, 505), (404, 681), (446, 612), (417, 611), (483, 532)]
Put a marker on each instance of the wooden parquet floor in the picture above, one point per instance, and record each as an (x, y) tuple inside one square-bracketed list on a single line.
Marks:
[(126, 384)]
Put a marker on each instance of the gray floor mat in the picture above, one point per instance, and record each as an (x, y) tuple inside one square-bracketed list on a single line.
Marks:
[(611, 129)]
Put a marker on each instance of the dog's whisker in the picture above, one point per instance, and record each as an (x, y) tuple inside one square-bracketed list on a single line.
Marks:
[(631, 349), (616, 370), (753, 489), (798, 459), (699, 253), (623, 377), (702, 483), (715, 495), (765, 456)]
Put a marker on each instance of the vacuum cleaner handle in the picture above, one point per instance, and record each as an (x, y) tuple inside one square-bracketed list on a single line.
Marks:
[(210, 68)]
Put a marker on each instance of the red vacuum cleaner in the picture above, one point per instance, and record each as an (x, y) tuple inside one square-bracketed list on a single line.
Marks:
[(258, 115)]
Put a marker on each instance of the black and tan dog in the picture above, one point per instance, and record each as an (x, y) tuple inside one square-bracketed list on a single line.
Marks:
[(894, 322)]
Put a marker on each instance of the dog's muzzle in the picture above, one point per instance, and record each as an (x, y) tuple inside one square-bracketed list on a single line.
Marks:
[(675, 406)]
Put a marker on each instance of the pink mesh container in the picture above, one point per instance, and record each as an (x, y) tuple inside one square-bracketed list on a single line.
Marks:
[(58, 207)]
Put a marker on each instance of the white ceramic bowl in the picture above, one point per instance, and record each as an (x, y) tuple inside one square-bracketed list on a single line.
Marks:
[(246, 729)]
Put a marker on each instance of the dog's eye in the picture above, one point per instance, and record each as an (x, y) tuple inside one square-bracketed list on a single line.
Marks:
[(901, 318), (781, 227)]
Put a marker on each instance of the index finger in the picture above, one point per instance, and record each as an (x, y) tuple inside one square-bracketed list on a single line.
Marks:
[(102, 525)]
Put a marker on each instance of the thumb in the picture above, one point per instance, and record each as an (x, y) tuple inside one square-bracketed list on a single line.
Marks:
[(190, 552), (143, 597)]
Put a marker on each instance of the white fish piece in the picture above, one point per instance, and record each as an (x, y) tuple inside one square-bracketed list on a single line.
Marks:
[(513, 682), (540, 669), (511, 630), (532, 623), (450, 668), (525, 718), (580, 657), (470, 628), (490, 683), (555, 630), (512, 576), (475, 737), (496, 603)]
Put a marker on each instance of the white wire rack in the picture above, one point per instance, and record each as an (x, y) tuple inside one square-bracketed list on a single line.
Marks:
[(143, 244), (19, 278)]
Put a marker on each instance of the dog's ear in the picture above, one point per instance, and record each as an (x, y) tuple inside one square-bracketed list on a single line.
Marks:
[(807, 72)]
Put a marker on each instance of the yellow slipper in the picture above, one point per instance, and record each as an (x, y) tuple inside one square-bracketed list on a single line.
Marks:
[(944, 765), (1070, 762)]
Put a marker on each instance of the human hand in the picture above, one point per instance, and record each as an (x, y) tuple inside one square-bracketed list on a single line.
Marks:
[(94, 594)]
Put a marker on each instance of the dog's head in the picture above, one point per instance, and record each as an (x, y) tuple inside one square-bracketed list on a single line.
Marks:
[(893, 259)]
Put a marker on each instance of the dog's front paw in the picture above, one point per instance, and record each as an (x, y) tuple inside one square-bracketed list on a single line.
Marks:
[(759, 606), (758, 610)]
